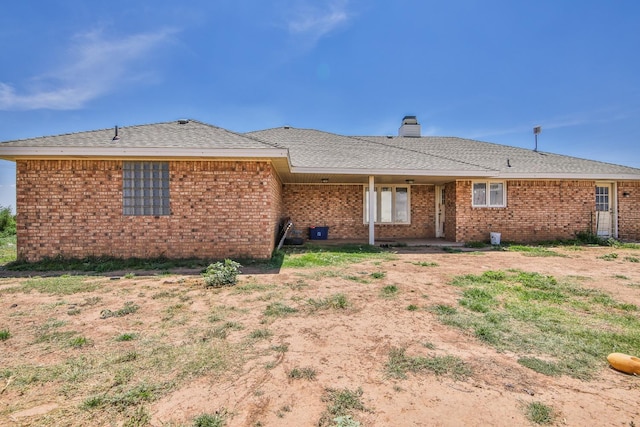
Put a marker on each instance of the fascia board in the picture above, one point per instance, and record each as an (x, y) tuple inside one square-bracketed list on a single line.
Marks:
[(586, 176), (401, 172)]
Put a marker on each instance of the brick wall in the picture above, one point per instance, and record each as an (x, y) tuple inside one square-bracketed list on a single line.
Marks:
[(536, 210), (629, 210), (340, 207), (73, 208)]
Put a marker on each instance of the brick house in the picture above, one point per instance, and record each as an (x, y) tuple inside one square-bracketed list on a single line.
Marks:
[(188, 189)]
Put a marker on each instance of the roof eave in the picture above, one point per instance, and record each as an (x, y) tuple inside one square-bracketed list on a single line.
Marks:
[(580, 176), (15, 153), (400, 172)]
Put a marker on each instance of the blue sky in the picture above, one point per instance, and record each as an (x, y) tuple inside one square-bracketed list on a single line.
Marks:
[(488, 70)]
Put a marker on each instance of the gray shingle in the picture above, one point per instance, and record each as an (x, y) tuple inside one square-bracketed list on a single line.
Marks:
[(313, 149), (505, 159), (192, 134), (316, 149)]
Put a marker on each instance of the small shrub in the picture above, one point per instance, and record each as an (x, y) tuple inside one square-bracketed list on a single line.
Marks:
[(389, 291), (589, 238), (451, 250), (128, 308), (609, 257), (126, 337), (337, 301), (341, 403), (282, 348), (139, 418), (93, 402), (129, 356), (219, 419), (260, 334), (222, 331), (7, 222), (302, 373), (222, 274), (278, 309), (4, 334), (78, 342), (345, 421), (426, 264), (475, 245), (631, 259), (539, 413), (412, 307)]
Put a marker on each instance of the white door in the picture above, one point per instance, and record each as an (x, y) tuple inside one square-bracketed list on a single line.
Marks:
[(440, 207), (604, 210)]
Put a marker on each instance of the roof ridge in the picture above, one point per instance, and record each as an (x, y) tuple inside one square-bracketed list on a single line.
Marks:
[(243, 135), (145, 125), (95, 130)]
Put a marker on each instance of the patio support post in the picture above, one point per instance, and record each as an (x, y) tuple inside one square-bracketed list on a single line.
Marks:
[(372, 211)]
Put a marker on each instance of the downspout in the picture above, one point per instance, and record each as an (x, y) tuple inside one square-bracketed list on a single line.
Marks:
[(372, 211)]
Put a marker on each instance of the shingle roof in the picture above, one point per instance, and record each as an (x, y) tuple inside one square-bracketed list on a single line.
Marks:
[(310, 148), (313, 151), (502, 158), (178, 134), (433, 155)]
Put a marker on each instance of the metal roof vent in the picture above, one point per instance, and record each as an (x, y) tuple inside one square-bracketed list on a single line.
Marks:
[(183, 121), (410, 127), (116, 137)]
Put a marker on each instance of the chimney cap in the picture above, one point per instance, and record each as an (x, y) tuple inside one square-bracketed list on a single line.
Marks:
[(410, 120)]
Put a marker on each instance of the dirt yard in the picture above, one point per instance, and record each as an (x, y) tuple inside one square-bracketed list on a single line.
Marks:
[(267, 351)]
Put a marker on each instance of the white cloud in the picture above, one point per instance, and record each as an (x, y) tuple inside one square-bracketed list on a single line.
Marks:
[(93, 67), (316, 21), (573, 120)]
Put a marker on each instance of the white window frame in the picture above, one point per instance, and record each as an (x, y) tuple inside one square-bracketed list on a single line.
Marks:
[(487, 196), (379, 205), (145, 188)]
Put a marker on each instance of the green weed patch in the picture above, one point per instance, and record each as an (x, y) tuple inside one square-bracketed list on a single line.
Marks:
[(62, 285), (399, 363), (312, 256), (557, 328), (535, 251)]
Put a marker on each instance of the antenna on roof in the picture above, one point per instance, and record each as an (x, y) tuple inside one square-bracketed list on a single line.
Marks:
[(536, 131), (116, 137)]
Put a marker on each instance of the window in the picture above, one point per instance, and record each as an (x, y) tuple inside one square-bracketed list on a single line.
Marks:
[(145, 188), (602, 199), (391, 205), (489, 194)]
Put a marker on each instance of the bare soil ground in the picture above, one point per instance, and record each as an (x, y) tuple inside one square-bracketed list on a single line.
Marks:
[(44, 380)]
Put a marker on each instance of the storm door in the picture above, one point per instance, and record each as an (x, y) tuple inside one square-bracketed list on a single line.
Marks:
[(604, 210)]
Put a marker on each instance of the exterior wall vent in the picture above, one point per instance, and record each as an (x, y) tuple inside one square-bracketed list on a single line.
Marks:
[(410, 127)]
